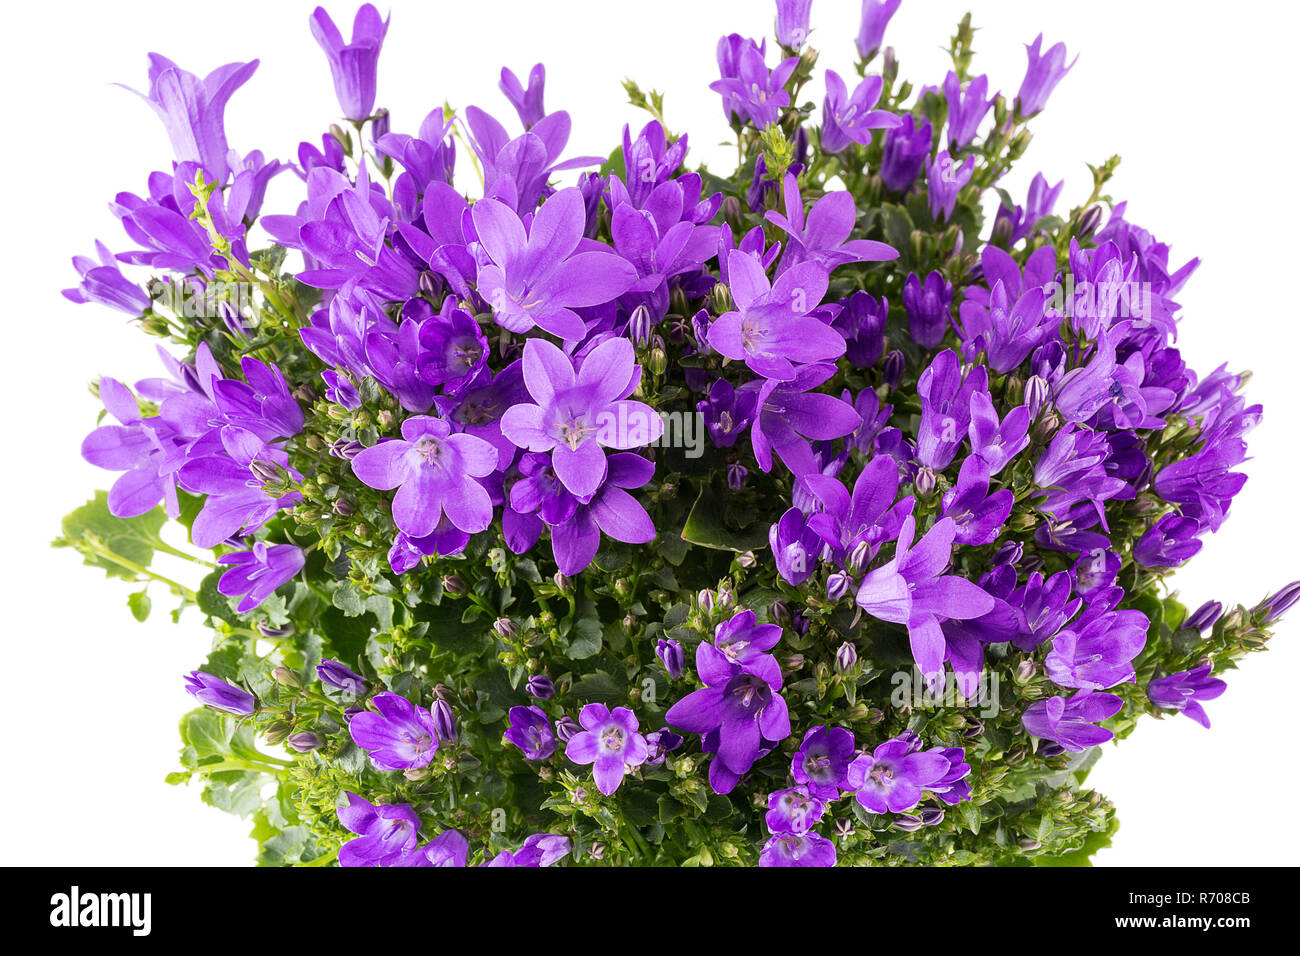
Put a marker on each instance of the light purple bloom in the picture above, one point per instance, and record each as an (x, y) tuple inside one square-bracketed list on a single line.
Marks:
[(797, 849), (1044, 72), (193, 110), (104, 283), (850, 118), (527, 102), (578, 414), (876, 15), (434, 472), (219, 694), (537, 276), (792, 22), (353, 65), (823, 238), (610, 741), (822, 761), (340, 677), (944, 179), (965, 109), (448, 848), (793, 810), (258, 572), (400, 736), (907, 146)]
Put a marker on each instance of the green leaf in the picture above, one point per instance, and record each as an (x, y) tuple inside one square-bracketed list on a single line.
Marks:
[(100, 537), (587, 639), (140, 605), (707, 525)]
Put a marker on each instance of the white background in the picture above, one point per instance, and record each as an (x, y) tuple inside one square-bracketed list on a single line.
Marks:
[(1196, 99)]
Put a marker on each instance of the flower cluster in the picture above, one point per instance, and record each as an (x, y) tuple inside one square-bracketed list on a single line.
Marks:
[(627, 512)]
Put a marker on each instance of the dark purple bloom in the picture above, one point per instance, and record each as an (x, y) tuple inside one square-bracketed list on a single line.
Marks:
[(929, 308), (434, 472), (263, 405), (1097, 650), (822, 762), (892, 777), (453, 350), (609, 740), (1183, 692), (1205, 616), (1044, 606), (220, 695), (1278, 604), (946, 398), (400, 736), (793, 810), (906, 148), (862, 323), (340, 677), (540, 686), (385, 834), (997, 443), (979, 515), (1168, 543), (727, 412), (1044, 72), (1070, 724), (530, 731), (795, 545), (672, 656), (258, 572), (1095, 571), (540, 849)]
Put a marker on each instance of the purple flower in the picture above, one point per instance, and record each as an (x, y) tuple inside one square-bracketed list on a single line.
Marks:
[(793, 810), (611, 510), (527, 102), (750, 91), (1070, 724), (1095, 571), (789, 414), (385, 834), (862, 323), (540, 686), (193, 110), (232, 476), (610, 741), (993, 442), (1168, 543), (823, 238), (1097, 650), (672, 656), (540, 849), (906, 148), (220, 695), (727, 412), (1044, 606), (770, 329), (448, 848), (1278, 604), (434, 472), (944, 179), (401, 736), (263, 405), (876, 15), (792, 22), (1044, 72), (453, 350), (797, 849), (104, 283), (913, 590), (965, 110), (539, 275), (1183, 691), (530, 731), (892, 777), (579, 414), (850, 119), (795, 545), (339, 676), (739, 712), (258, 572), (822, 762), (354, 64), (929, 308), (979, 515)]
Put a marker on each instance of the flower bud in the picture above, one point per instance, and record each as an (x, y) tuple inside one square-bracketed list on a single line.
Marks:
[(1204, 616), (846, 657), (737, 475), (454, 585), (565, 728), (893, 369), (305, 741), (286, 677), (1037, 392), (277, 732), (444, 721), (672, 656), (505, 628), (837, 585), (1278, 604), (343, 508), (540, 686)]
